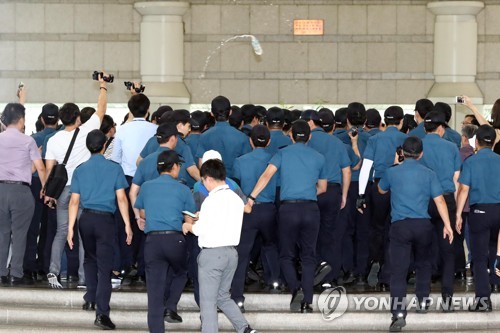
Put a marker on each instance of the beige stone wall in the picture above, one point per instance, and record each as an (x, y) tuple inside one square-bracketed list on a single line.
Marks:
[(373, 51)]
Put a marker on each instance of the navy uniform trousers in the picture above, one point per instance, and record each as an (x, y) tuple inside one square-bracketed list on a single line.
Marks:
[(407, 236), (484, 224), (299, 225), (166, 267), (331, 230), (261, 221), (443, 253), (97, 230)]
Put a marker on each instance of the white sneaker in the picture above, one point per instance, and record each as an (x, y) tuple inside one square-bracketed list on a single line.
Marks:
[(53, 282)]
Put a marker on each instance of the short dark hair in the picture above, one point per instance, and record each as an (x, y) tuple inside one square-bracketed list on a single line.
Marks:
[(356, 115), (12, 113), (409, 123), (423, 106), (210, 119), (107, 124), (213, 168), (39, 125), (236, 118), (474, 119), (290, 117), (69, 113), (412, 147), (275, 117), (431, 127), (221, 107), (248, 113), (86, 113), (95, 141), (444, 108), (139, 105), (301, 131), (159, 112)]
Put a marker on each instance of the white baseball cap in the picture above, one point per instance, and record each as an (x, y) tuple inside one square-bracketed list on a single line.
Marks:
[(211, 155)]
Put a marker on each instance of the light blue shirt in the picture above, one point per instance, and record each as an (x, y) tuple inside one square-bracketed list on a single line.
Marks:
[(129, 140)]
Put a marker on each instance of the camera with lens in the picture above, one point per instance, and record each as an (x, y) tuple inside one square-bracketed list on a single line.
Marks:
[(401, 156), (130, 85), (354, 131), (109, 78)]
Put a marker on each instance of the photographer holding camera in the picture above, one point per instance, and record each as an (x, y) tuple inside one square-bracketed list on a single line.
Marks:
[(57, 148)]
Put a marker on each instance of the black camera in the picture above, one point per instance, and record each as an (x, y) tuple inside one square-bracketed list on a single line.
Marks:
[(354, 131), (401, 156), (130, 85), (109, 78)]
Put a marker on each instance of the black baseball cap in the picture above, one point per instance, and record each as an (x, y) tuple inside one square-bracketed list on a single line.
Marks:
[(95, 141), (373, 118), (50, 111), (326, 117), (341, 117), (275, 115), (220, 103), (181, 116), (486, 133), (169, 157), (394, 112), (166, 130), (310, 115), (260, 134), (198, 120), (300, 129), (435, 117)]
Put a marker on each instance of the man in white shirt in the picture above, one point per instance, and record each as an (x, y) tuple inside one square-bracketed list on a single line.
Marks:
[(218, 229), (130, 139), (56, 151)]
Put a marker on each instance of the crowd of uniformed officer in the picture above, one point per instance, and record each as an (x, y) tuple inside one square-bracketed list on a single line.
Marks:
[(326, 203)]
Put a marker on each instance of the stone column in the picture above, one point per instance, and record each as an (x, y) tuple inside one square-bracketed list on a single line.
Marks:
[(455, 52), (162, 51)]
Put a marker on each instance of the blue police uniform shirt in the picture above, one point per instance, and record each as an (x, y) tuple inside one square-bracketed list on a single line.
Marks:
[(300, 168), (97, 181), (192, 140), (278, 141), (164, 199), (453, 136), (480, 173), (248, 169), (410, 198), (381, 149), (334, 151), (443, 158), (147, 169), (40, 136), (181, 148), (227, 140), (363, 138), (418, 131), (342, 135), (374, 131)]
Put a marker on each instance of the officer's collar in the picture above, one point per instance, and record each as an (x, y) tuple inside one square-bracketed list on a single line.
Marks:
[(484, 150), (221, 123), (318, 129)]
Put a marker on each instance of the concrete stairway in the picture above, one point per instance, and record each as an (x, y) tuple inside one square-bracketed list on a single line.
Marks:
[(45, 310)]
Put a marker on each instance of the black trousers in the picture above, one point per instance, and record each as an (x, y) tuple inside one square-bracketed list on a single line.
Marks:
[(97, 232), (443, 253), (48, 228), (165, 255), (381, 223), (361, 223), (193, 252), (331, 229), (261, 221), (348, 246), (30, 264), (407, 236), (484, 224), (299, 226)]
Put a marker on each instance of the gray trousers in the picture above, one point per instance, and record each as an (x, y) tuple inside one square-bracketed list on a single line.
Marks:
[(216, 269), (61, 237), (17, 206)]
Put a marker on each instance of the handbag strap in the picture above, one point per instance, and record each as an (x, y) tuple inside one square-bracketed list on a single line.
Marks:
[(70, 148)]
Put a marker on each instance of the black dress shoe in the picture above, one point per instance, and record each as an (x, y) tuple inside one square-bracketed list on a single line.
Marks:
[(172, 317), (18, 281), (397, 323), (30, 277), (241, 305), (4, 279), (88, 306), (447, 303), (422, 306), (481, 304), (321, 272), (296, 302), (306, 308), (140, 280), (381, 286), (72, 278), (373, 274), (348, 278), (250, 330), (411, 277), (104, 322)]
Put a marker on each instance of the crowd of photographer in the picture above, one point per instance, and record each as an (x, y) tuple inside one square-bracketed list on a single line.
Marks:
[(324, 199)]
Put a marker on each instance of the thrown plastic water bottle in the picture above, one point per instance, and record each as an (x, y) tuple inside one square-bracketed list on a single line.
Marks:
[(256, 46)]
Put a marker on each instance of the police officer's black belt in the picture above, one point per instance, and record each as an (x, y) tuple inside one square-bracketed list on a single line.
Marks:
[(14, 182), (261, 203), (448, 193), (333, 185), (98, 212), (164, 232), (284, 202)]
